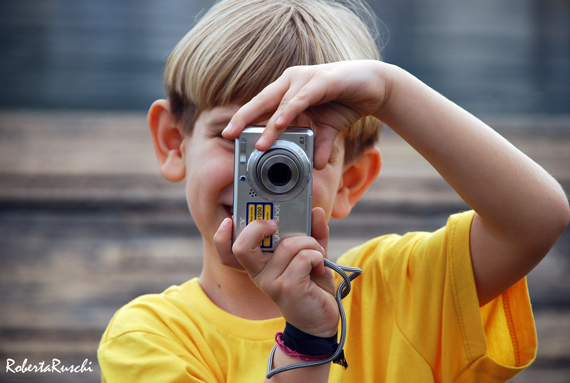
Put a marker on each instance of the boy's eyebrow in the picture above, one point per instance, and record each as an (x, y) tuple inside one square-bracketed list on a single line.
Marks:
[(221, 121)]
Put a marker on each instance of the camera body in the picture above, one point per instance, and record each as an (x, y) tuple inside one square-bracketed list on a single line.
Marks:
[(276, 184)]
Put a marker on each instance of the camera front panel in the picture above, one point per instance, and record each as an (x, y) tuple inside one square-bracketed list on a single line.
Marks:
[(276, 184)]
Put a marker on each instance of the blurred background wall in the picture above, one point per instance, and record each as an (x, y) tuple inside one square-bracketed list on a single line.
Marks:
[(508, 56), (87, 222)]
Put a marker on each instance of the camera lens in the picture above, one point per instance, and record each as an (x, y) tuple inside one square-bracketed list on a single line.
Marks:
[(278, 171), (279, 174)]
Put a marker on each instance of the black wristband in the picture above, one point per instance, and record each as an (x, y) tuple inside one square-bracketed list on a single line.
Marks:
[(308, 344)]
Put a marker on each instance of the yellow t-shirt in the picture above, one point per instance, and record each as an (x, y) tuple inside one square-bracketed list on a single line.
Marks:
[(413, 316)]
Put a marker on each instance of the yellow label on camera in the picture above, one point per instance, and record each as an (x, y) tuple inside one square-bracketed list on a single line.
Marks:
[(261, 210)]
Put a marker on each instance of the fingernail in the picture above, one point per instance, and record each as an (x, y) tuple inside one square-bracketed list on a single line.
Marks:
[(279, 121), (227, 129), (260, 141)]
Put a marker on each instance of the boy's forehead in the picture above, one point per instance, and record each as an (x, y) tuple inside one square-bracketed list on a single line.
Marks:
[(217, 116)]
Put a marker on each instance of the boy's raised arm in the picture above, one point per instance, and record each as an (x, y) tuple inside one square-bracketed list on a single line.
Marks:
[(521, 210)]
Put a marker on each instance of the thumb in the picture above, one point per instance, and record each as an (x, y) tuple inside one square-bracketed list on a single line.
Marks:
[(223, 244), (321, 275), (320, 228)]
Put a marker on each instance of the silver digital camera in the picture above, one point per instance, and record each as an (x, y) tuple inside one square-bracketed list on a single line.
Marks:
[(276, 184)]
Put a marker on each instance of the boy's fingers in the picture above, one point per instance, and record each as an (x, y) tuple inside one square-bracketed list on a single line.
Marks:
[(293, 261), (324, 142), (264, 104), (311, 91), (319, 228), (223, 243), (300, 95), (246, 247), (305, 262), (279, 121), (285, 100)]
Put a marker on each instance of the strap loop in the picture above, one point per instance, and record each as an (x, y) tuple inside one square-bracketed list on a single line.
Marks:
[(338, 356)]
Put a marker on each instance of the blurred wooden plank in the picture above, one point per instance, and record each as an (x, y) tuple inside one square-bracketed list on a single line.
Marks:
[(75, 155), (88, 223)]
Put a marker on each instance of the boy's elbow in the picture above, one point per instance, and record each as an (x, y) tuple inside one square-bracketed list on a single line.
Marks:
[(544, 226), (564, 214), (558, 217)]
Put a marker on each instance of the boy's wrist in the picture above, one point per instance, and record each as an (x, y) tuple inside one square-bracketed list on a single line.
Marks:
[(388, 73), (296, 354), (308, 344), (318, 373), (295, 343)]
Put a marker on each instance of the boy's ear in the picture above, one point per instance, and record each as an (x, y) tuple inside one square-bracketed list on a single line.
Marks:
[(357, 177), (167, 139)]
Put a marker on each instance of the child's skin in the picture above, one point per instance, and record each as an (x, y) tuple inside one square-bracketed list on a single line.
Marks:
[(520, 209)]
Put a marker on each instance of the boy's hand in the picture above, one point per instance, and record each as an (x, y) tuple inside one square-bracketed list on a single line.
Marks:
[(333, 96), (293, 276)]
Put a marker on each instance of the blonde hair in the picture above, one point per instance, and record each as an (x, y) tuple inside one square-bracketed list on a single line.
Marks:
[(240, 46)]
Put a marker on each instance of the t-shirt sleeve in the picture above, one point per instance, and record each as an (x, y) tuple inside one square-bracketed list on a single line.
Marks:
[(138, 347), (422, 286)]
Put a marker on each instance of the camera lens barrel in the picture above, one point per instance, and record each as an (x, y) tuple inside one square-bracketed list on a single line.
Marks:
[(280, 173)]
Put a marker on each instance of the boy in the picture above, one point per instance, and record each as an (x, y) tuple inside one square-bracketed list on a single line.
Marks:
[(445, 306)]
